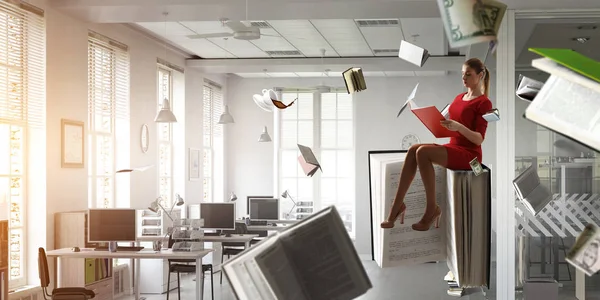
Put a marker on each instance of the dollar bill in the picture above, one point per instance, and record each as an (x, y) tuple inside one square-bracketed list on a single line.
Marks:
[(468, 22), (476, 167), (585, 254)]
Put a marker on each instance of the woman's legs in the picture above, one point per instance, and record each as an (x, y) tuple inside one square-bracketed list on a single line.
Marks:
[(409, 170), (426, 156)]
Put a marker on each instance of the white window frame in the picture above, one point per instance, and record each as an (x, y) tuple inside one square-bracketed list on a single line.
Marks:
[(25, 110), (213, 133), (118, 93), (162, 92), (317, 150)]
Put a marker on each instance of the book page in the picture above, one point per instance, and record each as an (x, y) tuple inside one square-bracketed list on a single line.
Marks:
[(277, 270), (246, 277), (568, 103), (324, 257), (401, 244)]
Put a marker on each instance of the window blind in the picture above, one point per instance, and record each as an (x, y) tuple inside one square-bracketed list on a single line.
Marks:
[(22, 65), (213, 108), (108, 78)]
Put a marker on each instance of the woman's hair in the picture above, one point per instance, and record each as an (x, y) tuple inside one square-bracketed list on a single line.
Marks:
[(477, 65)]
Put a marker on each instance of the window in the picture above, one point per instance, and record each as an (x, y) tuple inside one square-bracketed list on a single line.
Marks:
[(165, 136), (323, 122), (22, 111), (108, 119), (213, 142)]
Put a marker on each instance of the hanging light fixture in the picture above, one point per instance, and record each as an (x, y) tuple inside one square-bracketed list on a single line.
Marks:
[(165, 115), (226, 117), (264, 137)]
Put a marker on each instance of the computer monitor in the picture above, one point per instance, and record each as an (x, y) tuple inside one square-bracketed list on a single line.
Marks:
[(218, 216), (264, 208), (111, 225)]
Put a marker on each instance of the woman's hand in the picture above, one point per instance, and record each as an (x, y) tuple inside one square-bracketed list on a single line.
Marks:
[(451, 125)]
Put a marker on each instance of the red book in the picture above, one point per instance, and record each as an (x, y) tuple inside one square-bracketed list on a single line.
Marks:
[(431, 117)]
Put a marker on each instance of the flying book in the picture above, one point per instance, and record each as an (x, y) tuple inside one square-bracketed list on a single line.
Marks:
[(569, 101), (528, 88), (413, 53), (532, 193), (585, 254), (140, 169), (308, 161), (492, 115), (430, 116), (313, 259), (354, 79)]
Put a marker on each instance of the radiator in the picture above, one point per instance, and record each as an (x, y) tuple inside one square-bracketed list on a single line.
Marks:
[(121, 280), (27, 293)]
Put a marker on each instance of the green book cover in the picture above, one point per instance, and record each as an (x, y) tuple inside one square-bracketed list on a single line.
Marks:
[(572, 60)]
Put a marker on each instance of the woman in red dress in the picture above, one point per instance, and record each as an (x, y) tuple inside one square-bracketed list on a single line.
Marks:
[(466, 117)]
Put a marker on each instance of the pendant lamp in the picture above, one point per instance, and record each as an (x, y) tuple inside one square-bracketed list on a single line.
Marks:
[(165, 115), (226, 117), (264, 137)]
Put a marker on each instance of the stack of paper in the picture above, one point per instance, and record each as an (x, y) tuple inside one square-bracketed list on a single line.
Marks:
[(569, 101), (354, 79)]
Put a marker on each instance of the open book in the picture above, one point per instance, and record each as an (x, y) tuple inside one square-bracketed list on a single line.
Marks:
[(413, 53), (463, 239), (312, 260), (585, 254), (532, 193), (354, 79), (430, 116), (528, 88), (569, 101), (492, 116), (308, 161)]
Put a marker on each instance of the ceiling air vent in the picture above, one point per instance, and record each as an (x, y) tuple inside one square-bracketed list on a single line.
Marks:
[(287, 52), (260, 24), (378, 23), (385, 51)]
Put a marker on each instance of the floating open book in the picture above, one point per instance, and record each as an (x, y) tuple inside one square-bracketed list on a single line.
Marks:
[(528, 88), (463, 238), (313, 259), (569, 101), (532, 193), (492, 115), (354, 79), (585, 254), (308, 161), (413, 53)]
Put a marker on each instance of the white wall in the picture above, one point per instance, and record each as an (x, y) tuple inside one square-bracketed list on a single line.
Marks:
[(376, 128)]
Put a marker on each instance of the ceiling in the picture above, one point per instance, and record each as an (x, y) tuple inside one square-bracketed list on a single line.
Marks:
[(563, 33)]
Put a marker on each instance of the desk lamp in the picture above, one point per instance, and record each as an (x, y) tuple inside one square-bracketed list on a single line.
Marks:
[(286, 195), (156, 204)]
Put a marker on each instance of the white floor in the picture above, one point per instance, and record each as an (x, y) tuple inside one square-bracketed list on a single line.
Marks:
[(412, 283)]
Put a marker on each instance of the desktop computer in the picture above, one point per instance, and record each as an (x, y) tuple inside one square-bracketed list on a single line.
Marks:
[(218, 216), (106, 225), (264, 209)]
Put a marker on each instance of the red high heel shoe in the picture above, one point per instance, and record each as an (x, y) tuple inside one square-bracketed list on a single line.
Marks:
[(424, 225), (400, 214)]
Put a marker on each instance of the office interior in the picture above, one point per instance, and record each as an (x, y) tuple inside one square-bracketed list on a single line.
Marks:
[(303, 50)]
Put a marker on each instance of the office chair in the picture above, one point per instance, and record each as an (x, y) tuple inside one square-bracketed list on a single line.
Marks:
[(66, 293), (233, 248), (186, 266)]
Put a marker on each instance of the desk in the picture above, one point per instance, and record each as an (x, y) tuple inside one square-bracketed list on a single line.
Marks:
[(144, 254), (266, 228), (234, 238)]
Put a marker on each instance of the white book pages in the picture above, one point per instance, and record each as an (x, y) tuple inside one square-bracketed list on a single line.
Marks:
[(532, 193), (569, 104), (585, 254), (409, 100), (413, 53)]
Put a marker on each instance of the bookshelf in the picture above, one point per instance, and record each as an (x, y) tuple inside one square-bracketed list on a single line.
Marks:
[(70, 230)]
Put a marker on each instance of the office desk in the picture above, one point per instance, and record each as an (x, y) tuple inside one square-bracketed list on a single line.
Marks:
[(144, 254), (266, 228), (234, 238)]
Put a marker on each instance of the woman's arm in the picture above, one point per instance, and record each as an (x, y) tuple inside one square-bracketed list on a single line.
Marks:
[(473, 136)]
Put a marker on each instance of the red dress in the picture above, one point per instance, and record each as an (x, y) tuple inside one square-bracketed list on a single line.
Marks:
[(469, 113)]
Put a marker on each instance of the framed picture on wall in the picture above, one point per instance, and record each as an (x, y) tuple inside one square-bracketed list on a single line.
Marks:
[(194, 167), (72, 144)]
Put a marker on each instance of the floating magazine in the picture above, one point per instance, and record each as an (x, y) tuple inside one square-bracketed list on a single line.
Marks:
[(413, 53), (569, 101), (528, 88), (532, 193), (585, 254)]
